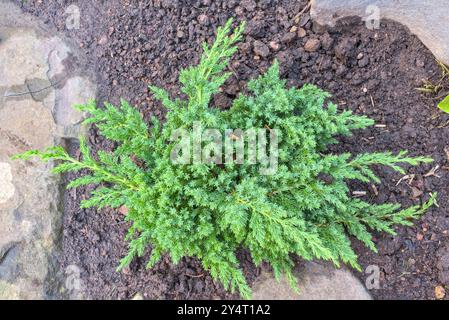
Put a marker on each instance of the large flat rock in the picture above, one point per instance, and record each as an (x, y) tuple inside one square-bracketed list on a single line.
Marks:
[(426, 19), (317, 281), (37, 91)]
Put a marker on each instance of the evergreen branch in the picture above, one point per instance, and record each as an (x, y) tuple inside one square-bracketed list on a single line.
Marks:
[(202, 81), (362, 162)]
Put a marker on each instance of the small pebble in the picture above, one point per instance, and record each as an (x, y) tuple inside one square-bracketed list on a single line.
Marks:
[(261, 49), (203, 19), (103, 40), (327, 41), (363, 62), (301, 33), (312, 45), (249, 5), (289, 37), (239, 11), (274, 45)]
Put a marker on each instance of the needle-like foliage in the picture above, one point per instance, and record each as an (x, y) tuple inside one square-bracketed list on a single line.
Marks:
[(209, 211)]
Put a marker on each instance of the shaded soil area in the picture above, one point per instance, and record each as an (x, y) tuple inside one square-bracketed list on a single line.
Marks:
[(131, 44)]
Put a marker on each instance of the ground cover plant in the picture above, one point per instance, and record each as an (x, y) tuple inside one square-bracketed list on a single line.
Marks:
[(209, 211)]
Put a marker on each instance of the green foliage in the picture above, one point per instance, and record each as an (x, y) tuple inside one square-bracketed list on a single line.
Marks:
[(209, 211), (444, 105)]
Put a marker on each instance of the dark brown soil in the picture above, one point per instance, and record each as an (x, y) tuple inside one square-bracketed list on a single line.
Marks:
[(133, 43)]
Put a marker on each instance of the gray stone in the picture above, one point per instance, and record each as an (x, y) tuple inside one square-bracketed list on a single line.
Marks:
[(261, 49), (77, 90), (317, 281), (36, 95), (39, 89), (427, 19), (7, 190)]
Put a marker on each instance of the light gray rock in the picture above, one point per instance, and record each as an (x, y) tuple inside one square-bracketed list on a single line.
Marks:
[(7, 191), (426, 18), (77, 90), (317, 281), (36, 95)]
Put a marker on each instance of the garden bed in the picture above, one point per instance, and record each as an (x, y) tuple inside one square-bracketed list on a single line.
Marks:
[(374, 73)]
